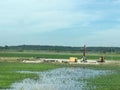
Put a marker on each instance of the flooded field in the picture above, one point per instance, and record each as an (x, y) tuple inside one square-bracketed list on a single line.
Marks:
[(59, 79)]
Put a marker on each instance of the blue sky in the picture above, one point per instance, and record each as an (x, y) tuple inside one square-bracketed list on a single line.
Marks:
[(60, 22)]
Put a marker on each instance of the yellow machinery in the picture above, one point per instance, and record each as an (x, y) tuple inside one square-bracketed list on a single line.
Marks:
[(72, 59)]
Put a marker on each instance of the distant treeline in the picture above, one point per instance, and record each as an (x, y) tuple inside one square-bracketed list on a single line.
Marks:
[(21, 48)]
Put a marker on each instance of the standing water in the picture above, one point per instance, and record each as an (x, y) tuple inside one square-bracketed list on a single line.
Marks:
[(58, 79)]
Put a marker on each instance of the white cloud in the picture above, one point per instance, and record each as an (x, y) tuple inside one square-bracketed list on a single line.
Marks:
[(104, 38), (27, 17), (43, 15)]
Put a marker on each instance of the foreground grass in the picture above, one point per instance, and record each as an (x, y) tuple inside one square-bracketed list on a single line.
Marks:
[(105, 82), (8, 74), (7, 78)]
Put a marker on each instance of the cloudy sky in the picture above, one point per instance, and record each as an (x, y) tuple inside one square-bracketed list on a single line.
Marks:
[(60, 22)]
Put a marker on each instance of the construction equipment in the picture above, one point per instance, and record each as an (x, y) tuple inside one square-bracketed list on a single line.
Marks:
[(84, 59), (73, 59)]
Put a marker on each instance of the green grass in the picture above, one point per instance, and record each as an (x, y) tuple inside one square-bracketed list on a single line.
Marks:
[(8, 74), (7, 78), (58, 55), (105, 82), (41, 55)]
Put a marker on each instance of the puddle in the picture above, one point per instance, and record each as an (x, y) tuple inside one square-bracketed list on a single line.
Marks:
[(58, 79)]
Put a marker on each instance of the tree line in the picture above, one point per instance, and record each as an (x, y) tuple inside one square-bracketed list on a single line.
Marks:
[(61, 48)]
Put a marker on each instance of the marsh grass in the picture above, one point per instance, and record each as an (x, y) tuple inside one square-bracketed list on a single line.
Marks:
[(105, 82), (9, 74), (7, 78)]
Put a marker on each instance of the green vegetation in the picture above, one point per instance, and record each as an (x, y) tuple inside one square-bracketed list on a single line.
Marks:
[(105, 82), (7, 78), (60, 55), (22, 48), (9, 74)]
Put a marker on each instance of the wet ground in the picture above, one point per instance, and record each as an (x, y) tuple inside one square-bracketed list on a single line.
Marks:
[(58, 79)]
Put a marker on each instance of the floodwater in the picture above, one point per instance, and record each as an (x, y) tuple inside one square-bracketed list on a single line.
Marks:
[(58, 79)]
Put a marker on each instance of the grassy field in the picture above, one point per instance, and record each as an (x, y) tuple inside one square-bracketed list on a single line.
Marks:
[(58, 55), (8, 74), (106, 82)]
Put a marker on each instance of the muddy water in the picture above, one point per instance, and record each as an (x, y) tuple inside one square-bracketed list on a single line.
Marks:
[(58, 79)]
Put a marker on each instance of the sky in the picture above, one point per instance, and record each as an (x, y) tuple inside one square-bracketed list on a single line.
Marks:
[(60, 22)]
